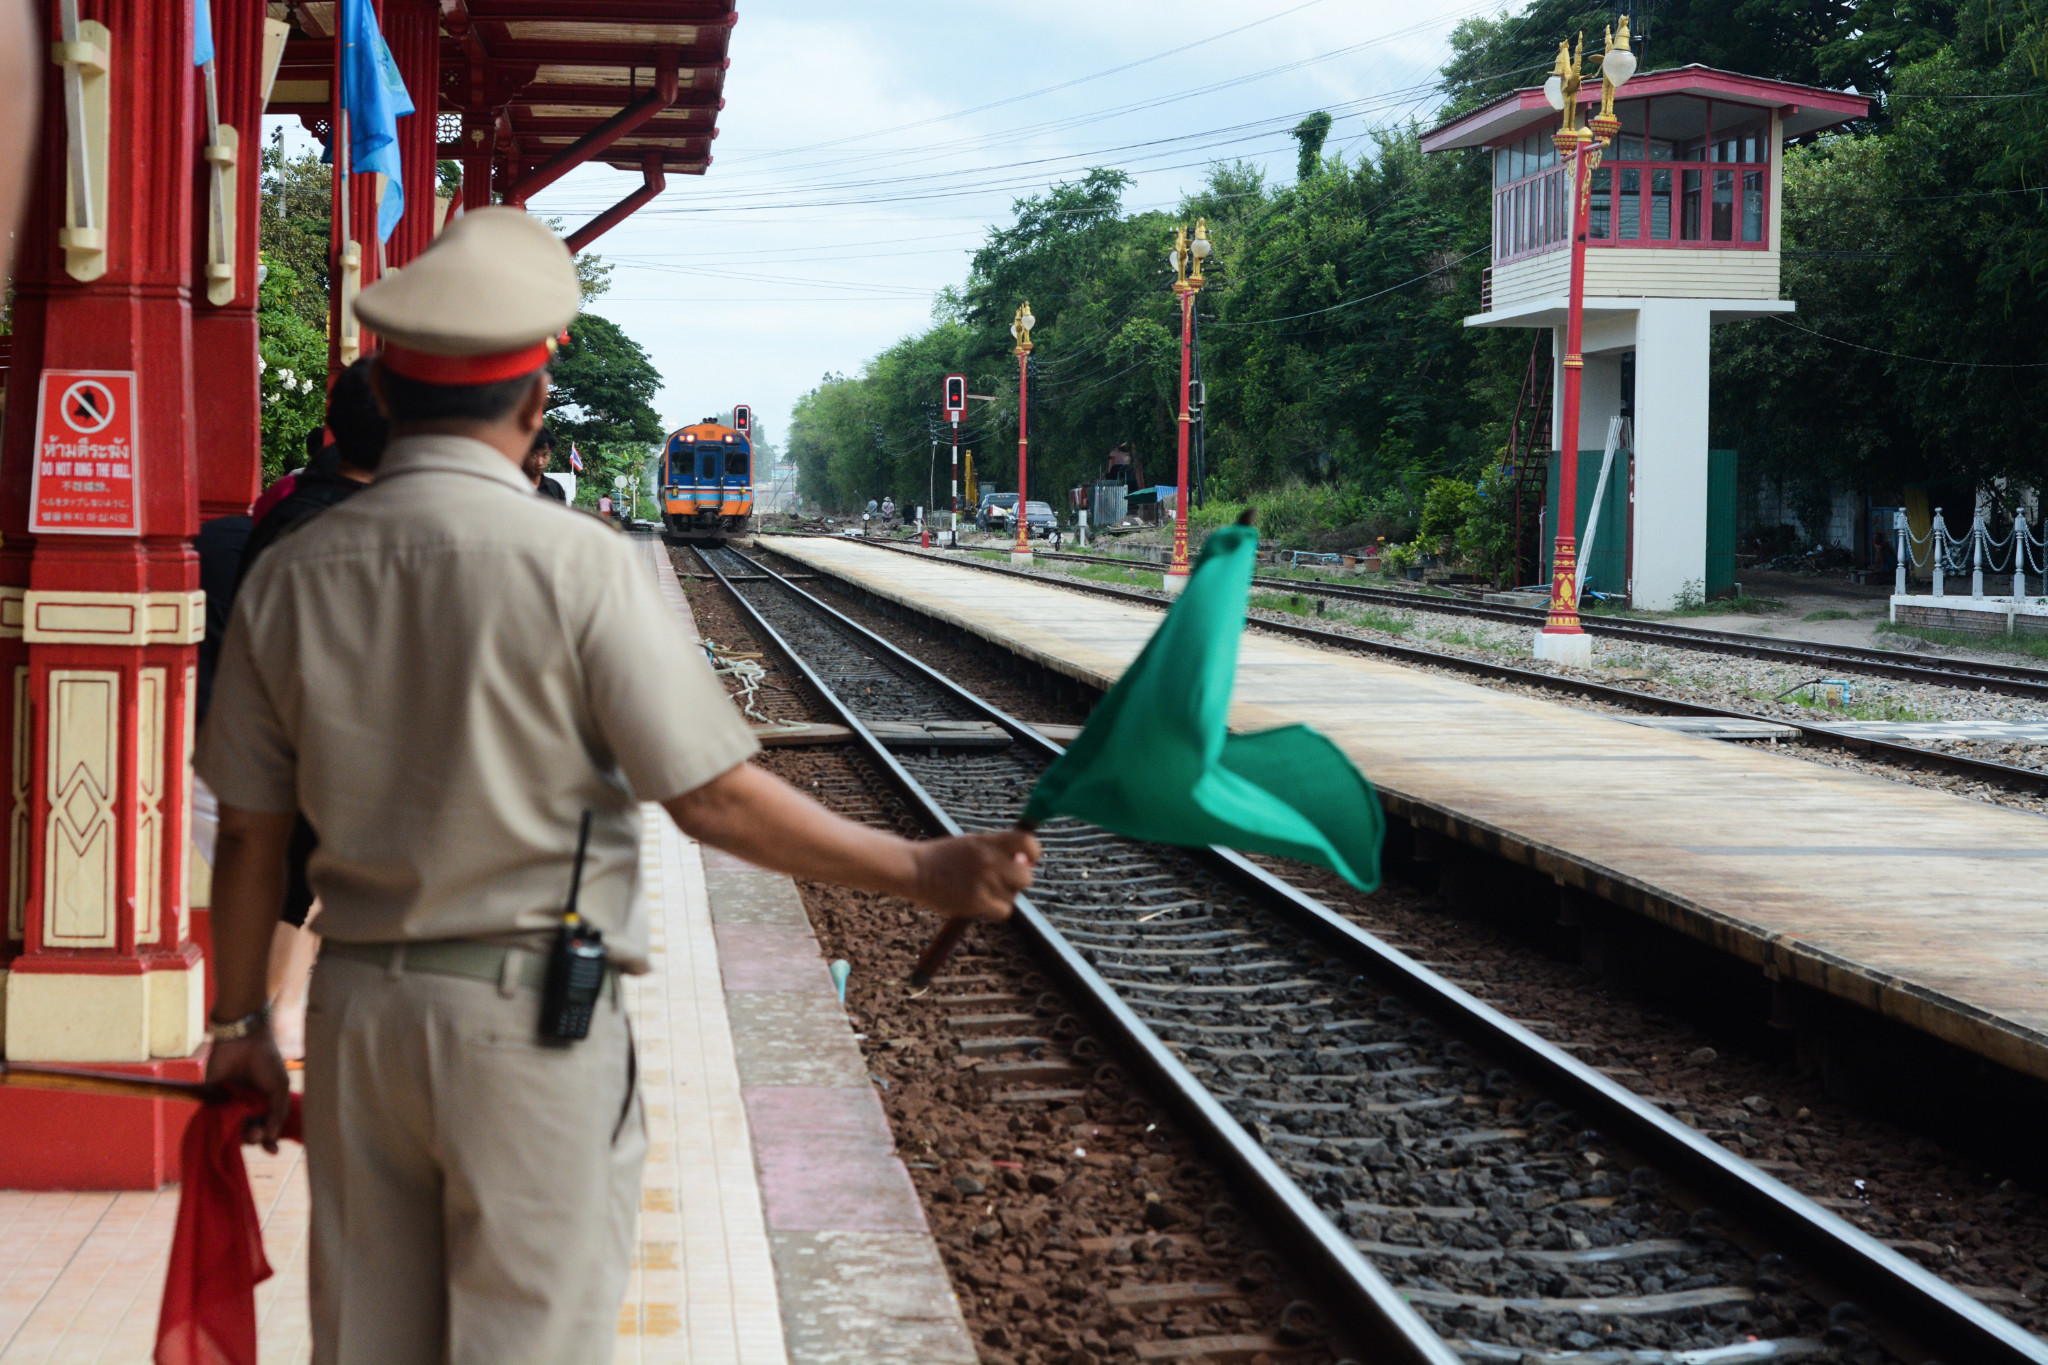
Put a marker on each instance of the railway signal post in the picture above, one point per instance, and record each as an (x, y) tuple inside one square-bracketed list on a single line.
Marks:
[(1187, 257), (1020, 553), (956, 406)]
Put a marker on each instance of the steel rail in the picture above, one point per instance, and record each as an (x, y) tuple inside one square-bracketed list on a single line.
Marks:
[(1983, 770), (2010, 679), (1927, 1306), (1375, 1311)]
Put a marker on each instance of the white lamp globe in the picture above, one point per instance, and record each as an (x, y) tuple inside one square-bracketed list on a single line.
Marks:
[(1202, 248), (1618, 66), (1029, 322), (1553, 92)]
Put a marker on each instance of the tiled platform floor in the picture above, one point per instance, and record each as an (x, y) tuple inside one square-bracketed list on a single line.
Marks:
[(81, 1274)]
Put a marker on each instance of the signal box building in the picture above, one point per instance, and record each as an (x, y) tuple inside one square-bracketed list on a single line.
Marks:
[(1683, 233)]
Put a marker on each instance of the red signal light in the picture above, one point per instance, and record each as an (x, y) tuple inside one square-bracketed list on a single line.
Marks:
[(742, 417)]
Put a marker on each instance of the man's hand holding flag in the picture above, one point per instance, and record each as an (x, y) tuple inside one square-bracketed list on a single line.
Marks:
[(1157, 760)]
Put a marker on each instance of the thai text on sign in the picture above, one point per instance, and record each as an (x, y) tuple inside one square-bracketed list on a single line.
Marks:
[(87, 480)]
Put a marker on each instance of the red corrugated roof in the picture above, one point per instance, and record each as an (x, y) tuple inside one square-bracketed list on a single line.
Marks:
[(1806, 108)]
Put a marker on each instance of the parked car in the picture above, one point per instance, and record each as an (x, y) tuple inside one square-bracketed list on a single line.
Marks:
[(997, 512), (1039, 520)]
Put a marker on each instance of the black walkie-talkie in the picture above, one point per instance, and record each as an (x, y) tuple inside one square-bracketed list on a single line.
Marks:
[(575, 966)]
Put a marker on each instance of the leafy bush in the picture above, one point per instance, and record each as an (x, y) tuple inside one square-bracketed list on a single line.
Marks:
[(1446, 506), (1487, 539)]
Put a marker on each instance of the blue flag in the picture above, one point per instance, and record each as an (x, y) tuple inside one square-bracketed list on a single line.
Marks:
[(375, 99), (202, 33)]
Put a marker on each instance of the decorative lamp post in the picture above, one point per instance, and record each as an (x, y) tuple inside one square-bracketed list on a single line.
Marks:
[(1187, 257), (1562, 640), (1020, 553)]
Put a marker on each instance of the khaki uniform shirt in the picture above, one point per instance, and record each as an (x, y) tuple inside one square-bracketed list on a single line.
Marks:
[(443, 673)]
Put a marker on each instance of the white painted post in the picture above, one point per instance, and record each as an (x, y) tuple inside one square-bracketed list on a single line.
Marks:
[(1939, 537), (2020, 541), (1899, 570), (1977, 557)]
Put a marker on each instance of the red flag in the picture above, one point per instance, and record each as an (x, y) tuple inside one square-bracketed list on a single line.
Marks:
[(209, 1308)]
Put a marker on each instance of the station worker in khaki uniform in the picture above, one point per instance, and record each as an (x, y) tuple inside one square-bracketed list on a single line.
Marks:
[(444, 673)]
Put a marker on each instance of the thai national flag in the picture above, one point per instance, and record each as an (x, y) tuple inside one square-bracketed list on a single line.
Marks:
[(575, 458)]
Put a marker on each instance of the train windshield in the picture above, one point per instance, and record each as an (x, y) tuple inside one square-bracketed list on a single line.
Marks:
[(736, 461)]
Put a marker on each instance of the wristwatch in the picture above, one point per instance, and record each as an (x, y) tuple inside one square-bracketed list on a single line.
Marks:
[(238, 1028)]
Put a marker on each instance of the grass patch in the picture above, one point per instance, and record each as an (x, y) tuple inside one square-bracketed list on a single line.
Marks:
[(2025, 646), (1861, 710), (1374, 619), (1292, 603), (1105, 573), (1467, 639), (1829, 614), (1745, 605)]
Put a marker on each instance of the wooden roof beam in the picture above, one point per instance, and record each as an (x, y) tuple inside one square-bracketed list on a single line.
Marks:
[(700, 12), (653, 182), (602, 136)]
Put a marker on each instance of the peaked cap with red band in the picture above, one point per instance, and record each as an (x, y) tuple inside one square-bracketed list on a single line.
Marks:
[(484, 303)]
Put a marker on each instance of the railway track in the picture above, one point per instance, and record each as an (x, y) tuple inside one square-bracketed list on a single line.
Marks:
[(1458, 1186), (2014, 680), (2004, 775)]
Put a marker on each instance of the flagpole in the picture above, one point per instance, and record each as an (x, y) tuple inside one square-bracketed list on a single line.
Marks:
[(85, 1080)]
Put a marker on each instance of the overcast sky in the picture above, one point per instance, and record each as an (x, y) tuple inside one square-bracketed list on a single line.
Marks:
[(865, 148)]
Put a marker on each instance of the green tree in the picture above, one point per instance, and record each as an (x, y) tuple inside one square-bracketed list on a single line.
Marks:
[(1311, 132), (293, 360), (296, 225), (604, 387)]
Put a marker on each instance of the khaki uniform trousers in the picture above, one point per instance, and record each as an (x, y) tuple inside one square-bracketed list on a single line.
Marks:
[(474, 1192)]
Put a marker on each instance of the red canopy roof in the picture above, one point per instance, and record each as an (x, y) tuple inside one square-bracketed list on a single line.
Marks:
[(1806, 108), (554, 70)]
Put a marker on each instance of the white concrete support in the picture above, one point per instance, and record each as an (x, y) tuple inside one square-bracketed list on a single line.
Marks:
[(1672, 355), (1566, 651)]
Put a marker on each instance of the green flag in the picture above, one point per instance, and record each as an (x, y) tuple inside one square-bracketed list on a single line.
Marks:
[(1157, 761)]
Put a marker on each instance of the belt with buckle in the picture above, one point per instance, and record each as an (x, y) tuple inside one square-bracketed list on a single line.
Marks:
[(490, 962)]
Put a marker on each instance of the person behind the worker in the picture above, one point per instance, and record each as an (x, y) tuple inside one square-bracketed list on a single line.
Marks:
[(342, 468), (446, 677), (535, 467)]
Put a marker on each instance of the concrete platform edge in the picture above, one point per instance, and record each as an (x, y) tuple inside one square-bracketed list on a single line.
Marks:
[(858, 1275)]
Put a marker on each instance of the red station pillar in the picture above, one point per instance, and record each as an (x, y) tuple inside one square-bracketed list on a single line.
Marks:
[(97, 630), (227, 401), (412, 30)]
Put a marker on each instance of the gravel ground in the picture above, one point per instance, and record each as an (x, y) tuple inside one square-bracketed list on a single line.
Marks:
[(1984, 1229)]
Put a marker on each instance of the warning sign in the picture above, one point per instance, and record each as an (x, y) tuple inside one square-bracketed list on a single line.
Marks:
[(86, 480)]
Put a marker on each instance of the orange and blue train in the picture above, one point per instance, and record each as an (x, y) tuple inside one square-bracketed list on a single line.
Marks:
[(707, 481)]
